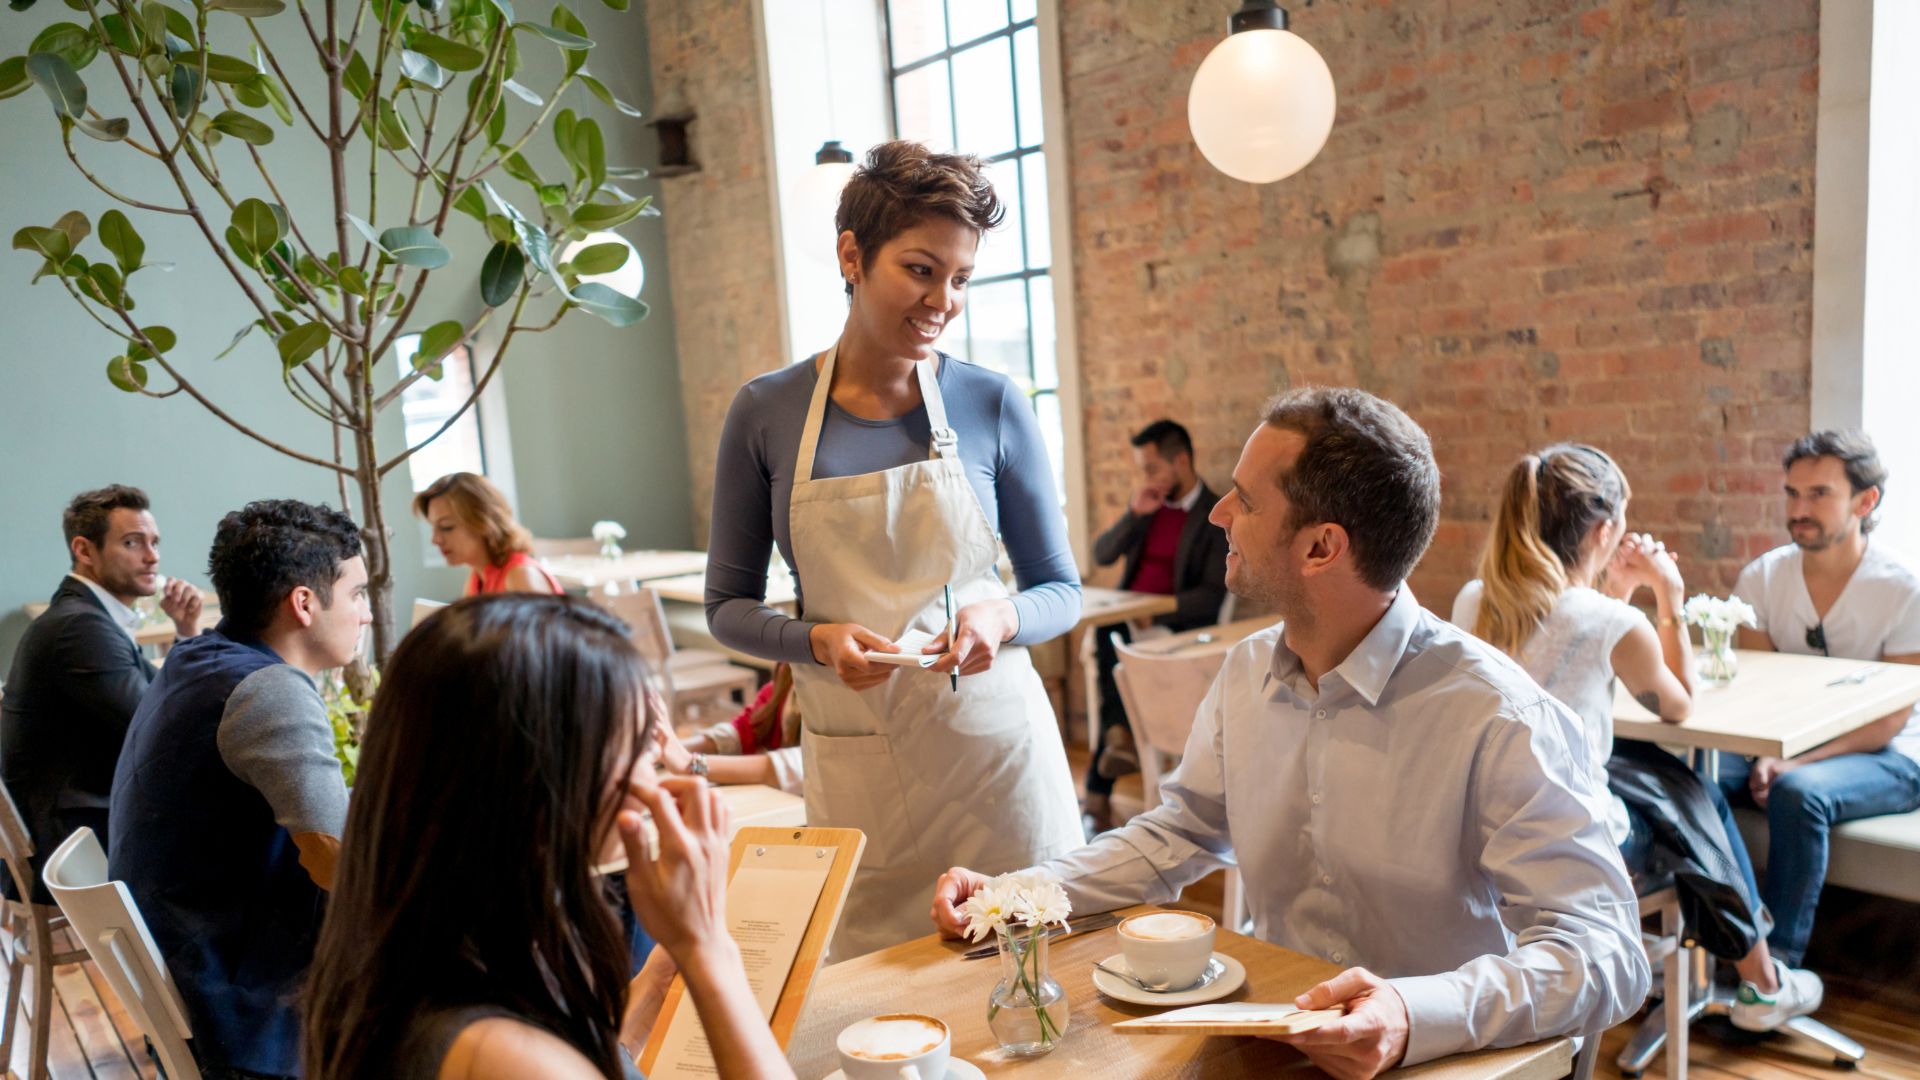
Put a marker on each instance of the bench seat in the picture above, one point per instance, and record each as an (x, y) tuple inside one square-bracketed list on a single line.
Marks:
[(1879, 855)]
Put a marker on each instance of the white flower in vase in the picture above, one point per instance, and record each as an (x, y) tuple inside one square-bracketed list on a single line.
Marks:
[(1711, 613), (609, 533)]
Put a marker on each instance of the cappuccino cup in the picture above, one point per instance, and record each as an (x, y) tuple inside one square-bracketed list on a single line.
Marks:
[(897, 1046), (1167, 950)]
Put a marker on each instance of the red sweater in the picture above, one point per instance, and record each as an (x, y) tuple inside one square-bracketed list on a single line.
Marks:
[(1163, 545)]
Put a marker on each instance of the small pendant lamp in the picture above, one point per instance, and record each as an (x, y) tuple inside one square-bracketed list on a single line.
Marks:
[(1262, 102), (816, 200)]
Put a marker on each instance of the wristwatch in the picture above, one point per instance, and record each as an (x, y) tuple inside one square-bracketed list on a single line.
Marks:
[(699, 766)]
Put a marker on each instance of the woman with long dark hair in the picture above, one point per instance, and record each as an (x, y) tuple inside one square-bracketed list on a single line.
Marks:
[(468, 935)]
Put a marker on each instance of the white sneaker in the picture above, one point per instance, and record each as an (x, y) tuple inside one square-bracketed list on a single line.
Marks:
[(1799, 994)]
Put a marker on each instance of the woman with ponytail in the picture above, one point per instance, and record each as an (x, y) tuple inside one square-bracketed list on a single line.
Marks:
[(1558, 569)]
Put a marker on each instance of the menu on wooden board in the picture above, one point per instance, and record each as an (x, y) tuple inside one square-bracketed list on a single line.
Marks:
[(770, 902)]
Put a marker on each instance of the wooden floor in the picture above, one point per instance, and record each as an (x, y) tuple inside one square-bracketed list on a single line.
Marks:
[(91, 1035)]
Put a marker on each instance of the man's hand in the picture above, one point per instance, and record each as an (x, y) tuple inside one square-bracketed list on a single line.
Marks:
[(955, 887), (181, 602), (1369, 1040), (844, 646), (1766, 771), (1147, 500)]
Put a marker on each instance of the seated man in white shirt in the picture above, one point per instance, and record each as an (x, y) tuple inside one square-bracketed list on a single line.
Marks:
[(1399, 795), (1829, 593)]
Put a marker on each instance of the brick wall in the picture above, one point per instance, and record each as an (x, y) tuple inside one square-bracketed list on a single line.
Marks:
[(719, 220), (1534, 221)]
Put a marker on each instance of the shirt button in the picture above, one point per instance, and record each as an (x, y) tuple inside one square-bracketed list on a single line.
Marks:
[(1327, 879), (1321, 715), (1316, 798), (1338, 958)]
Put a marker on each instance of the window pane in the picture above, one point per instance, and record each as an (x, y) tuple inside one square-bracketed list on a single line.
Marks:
[(955, 340), (998, 317), (968, 19), (1046, 368), (922, 101), (1024, 10), (1033, 177), (427, 404), (1000, 249), (918, 28), (1026, 66), (983, 81), (1053, 430)]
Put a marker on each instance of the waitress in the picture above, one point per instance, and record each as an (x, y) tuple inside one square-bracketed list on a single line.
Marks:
[(887, 472)]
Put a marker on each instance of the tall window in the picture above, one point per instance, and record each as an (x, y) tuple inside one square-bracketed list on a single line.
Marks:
[(965, 75), (427, 404)]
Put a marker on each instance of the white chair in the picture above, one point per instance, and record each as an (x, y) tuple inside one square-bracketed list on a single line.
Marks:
[(105, 918), (1162, 693), (27, 920), (423, 609), (693, 677)]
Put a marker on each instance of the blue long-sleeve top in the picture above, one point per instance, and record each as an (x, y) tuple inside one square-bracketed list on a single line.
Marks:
[(1000, 447)]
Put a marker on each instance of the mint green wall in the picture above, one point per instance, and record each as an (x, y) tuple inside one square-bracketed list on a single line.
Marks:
[(594, 412)]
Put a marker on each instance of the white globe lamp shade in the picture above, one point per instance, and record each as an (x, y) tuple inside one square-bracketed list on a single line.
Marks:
[(625, 279), (815, 201), (1262, 103)]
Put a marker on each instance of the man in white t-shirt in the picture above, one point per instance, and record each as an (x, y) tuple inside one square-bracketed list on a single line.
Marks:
[(1832, 592)]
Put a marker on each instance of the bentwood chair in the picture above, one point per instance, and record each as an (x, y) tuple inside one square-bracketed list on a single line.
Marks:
[(29, 943), (1162, 693), (692, 677), (105, 918)]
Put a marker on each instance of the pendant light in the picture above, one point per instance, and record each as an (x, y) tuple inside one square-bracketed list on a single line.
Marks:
[(815, 201), (1262, 102)]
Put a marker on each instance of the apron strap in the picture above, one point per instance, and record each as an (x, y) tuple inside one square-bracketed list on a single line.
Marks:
[(816, 418), (945, 442)]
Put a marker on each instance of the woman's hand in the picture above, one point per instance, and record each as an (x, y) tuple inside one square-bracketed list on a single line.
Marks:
[(680, 896), (1642, 560), (979, 629), (670, 751), (844, 647)]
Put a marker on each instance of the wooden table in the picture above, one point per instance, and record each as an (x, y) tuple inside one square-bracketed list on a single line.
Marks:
[(758, 804), (1211, 639), (926, 976), (692, 589), (588, 571), (1102, 607), (160, 632), (1779, 705)]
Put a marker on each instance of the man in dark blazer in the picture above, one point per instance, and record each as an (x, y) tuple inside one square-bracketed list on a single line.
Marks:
[(1170, 548), (78, 676)]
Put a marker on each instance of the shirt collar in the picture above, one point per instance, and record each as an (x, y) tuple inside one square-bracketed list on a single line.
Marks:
[(1368, 667), (127, 619), (1185, 502)]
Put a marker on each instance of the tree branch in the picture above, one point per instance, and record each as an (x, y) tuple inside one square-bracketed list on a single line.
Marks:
[(400, 387), (479, 388), (286, 83)]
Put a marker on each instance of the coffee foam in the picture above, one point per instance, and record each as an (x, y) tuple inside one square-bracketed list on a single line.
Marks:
[(892, 1038), (1166, 926)]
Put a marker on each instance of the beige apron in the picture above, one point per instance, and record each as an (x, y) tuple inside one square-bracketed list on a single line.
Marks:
[(934, 778)]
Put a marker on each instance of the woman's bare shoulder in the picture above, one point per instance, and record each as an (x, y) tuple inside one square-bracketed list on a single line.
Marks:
[(526, 577), (501, 1048)]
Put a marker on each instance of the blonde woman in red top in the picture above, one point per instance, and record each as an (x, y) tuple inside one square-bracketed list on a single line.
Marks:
[(473, 526)]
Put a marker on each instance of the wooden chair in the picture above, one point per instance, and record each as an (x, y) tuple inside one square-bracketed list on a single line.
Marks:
[(547, 549), (29, 943), (104, 917), (694, 677), (423, 610), (1669, 1025), (1162, 693)]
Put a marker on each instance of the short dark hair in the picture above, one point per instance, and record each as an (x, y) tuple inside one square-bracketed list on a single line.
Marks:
[(901, 185), (91, 512), (1857, 455), (1167, 437), (263, 551), (1368, 468)]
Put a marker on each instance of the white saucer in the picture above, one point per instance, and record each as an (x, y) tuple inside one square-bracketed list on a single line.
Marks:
[(1229, 981), (957, 1069)]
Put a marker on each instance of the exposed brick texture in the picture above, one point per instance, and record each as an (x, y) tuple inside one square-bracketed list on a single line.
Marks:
[(1535, 220), (719, 220)]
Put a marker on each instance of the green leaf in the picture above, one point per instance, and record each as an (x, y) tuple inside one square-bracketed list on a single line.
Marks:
[(596, 217), (118, 236), (220, 67), (248, 9), (552, 194), (55, 244), (500, 229), (127, 375), (258, 224), (590, 148), (563, 138), (565, 21), (415, 246), (74, 44), (394, 133), (600, 259), (62, 84), (618, 309), (438, 340), (357, 78), (159, 67), (605, 95), (161, 337), (472, 204), (421, 68), (250, 93), (103, 283), (448, 54), (524, 94), (366, 230), (558, 37), (105, 130), (277, 98), (13, 77), (627, 172), (617, 5), (163, 19), (539, 246), (354, 280), (242, 127), (506, 9), (501, 274), (75, 225), (20, 5), (244, 250), (237, 339), (188, 89), (299, 343), (120, 34), (497, 123), (518, 168)]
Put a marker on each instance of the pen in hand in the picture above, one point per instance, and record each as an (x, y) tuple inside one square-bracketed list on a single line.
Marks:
[(955, 674)]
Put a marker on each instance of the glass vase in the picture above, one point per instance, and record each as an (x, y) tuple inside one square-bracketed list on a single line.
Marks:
[(1717, 663), (1027, 1010), (610, 548)]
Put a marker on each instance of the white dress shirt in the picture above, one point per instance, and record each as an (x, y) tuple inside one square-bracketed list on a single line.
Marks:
[(1428, 814), (122, 615)]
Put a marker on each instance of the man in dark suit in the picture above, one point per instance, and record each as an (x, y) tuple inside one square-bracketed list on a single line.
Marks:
[(1170, 548), (78, 676)]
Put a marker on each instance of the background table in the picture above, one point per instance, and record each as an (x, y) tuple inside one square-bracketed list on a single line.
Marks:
[(927, 976), (1102, 607), (1779, 705), (692, 589), (587, 571)]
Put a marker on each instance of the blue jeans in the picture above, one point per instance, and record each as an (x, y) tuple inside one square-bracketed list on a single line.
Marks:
[(1639, 842), (1802, 810)]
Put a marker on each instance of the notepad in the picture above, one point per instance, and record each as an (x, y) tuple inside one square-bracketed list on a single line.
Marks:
[(909, 655), (1233, 1018)]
